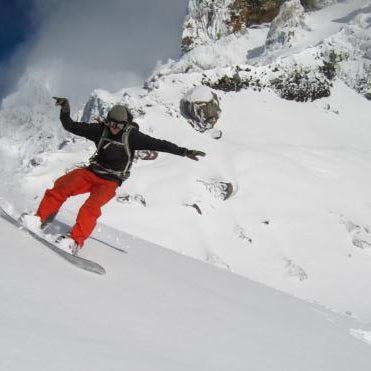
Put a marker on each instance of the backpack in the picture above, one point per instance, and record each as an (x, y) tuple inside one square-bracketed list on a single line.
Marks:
[(105, 142)]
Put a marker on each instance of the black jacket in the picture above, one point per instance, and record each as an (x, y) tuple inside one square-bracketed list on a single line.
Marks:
[(114, 157)]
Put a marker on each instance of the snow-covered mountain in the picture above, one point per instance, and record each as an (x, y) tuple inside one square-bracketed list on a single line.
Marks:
[(283, 196)]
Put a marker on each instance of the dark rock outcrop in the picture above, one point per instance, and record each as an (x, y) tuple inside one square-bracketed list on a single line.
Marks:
[(245, 13), (210, 20), (302, 85), (293, 82), (201, 107)]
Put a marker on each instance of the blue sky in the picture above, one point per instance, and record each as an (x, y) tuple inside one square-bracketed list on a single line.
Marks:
[(16, 25), (86, 44)]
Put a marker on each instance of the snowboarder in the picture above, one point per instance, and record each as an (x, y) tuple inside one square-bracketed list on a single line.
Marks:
[(116, 138)]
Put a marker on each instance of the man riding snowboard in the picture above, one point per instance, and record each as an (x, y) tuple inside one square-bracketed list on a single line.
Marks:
[(116, 138)]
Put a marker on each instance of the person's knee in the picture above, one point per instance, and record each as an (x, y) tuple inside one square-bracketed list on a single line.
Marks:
[(59, 192), (93, 207)]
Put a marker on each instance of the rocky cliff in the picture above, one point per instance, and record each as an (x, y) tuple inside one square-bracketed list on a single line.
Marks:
[(210, 20)]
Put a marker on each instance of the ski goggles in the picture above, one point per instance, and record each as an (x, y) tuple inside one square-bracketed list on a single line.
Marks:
[(116, 125)]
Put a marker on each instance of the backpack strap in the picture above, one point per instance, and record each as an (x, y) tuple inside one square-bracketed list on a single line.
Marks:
[(125, 142)]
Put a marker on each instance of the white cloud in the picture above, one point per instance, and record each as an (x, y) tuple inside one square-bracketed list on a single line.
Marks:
[(87, 44)]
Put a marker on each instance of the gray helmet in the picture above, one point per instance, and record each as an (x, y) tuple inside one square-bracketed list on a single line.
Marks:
[(118, 113)]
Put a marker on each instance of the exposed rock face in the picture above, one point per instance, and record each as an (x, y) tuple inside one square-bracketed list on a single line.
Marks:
[(95, 107), (244, 13), (284, 28), (201, 107), (207, 20), (210, 20), (100, 103)]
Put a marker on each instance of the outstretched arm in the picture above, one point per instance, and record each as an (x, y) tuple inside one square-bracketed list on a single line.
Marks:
[(140, 141), (89, 131)]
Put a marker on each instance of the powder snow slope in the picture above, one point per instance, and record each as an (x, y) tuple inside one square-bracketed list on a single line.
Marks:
[(157, 310), (299, 219)]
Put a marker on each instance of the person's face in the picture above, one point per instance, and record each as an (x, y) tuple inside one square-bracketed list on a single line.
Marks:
[(114, 131)]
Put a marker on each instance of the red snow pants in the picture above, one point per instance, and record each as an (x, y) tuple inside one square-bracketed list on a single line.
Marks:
[(74, 183)]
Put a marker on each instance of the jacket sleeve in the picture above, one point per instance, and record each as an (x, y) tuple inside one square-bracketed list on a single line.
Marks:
[(88, 131), (139, 141)]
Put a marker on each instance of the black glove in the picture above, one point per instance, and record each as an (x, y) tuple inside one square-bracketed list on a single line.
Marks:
[(63, 102), (192, 154)]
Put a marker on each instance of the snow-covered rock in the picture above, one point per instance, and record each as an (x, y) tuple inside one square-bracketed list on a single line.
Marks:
[(287, 26), (345, 54), (96, 107), (218, 189), (290, 81), (206, 21), (101, 101), (349, 51), (210, 20), (201, 107), (199, 94)]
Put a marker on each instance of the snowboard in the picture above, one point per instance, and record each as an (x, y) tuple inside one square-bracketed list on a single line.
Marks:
[(78, 261)]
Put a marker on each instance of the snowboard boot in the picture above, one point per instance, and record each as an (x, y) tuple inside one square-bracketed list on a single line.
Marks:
[(31, 221), (68, 244), (48, 221)]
